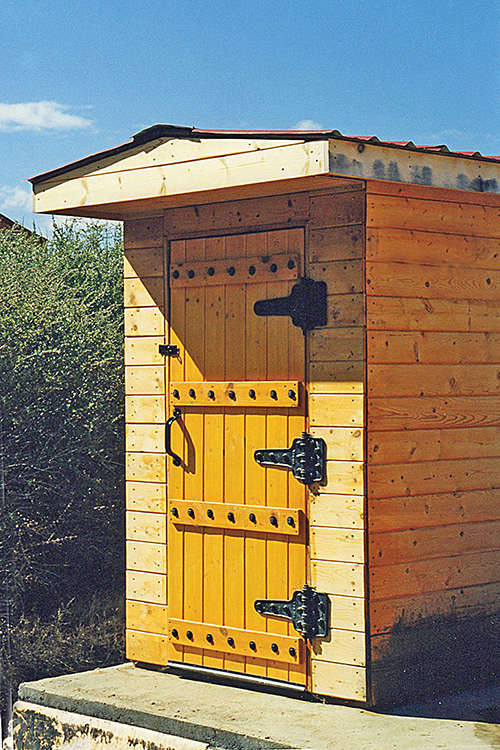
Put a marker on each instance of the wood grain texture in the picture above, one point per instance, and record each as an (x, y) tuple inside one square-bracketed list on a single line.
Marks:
[(335, 243), (343, 210), (342, 277), (343, 443), (405, 611), (146, 527), (434, 380), (143, 350), (459, 475), (409, 579), (146, 496), (337, 377), (436, 282), (147, 557), (343, 478), (433, 412), (341, 511), (144, 321), (341, 646), (339, 410), (339, 578), (143, 232), (425, 314), (427, 192), (146, 617), (146, 647), (342, 680), (145, 467), (332, 344), (146, 587), (149, 438), (143, 263), (433, 445), (342, 545), (421, 511), (406, 347), (145, 380), (345, 310), (427, 543), (145, 409), (433, 216)]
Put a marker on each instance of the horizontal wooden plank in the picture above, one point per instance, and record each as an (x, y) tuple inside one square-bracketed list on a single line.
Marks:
[(432, 248), (337, 210), (390, 614), (145, 409), (143, 350), (144, 292), (249, 394), (336, 409), (146, 496), (407, 314), (427, 192), (227, 271), (459, 475), (238, 516), (253, 212), (420, 511), (338, 680), (342, 545), (411, 314), (144, 321), (433, 380), (341, 277), (151, 618), (345, 310), (437, 282), (406, 347), (149, 438), (339, 578), (147, 232), (409, 579), (347, 613), (146, 587), (433, 445), (147, 557), (432, 412), (427, 543), (341, 646), (145, 467), (343, 443), (332, 344), (337, 377), (433, 216), (343, 478), (146, 527), (144, 380), (144, 262), (337, 243), (146, 647), (341, 511), (271, 646)]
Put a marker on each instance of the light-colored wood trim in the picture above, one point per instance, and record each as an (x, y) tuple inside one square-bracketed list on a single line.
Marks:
[(289, 161), (340, 680)]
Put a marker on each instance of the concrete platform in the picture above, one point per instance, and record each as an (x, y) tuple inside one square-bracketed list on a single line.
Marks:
[(235, 718)]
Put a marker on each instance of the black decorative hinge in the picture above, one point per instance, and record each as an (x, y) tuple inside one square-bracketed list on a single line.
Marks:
[(306, 458), (306, 305), (169, 350), (308, 611)]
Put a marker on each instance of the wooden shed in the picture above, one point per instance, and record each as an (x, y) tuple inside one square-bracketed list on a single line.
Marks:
[(312, 356)]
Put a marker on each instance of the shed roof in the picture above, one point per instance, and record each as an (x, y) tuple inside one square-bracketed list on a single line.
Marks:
[(161, 131)]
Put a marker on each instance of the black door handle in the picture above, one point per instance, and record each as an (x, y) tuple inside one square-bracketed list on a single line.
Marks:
[(177, 460)]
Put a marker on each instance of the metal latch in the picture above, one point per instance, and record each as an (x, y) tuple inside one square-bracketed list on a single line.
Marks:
[(306, 305), (169, 350), (306, 458), (308, 611)]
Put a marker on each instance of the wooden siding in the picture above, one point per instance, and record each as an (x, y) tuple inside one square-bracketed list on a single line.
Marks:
[(336, 376), (146, 580), (433, 401)]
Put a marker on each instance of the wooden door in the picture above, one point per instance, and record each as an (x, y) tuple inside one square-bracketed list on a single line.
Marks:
[(236, 530)]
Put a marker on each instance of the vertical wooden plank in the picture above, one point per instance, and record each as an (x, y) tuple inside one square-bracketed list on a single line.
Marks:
[(193, 420), (234, 445), (255, 434), (296, 425), (213, 568), (175, 474), (277, 436)]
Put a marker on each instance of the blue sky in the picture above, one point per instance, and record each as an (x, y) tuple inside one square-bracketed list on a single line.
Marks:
[(79, 77)]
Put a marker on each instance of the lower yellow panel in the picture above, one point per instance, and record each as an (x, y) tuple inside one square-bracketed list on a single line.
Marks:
[(146, 647)]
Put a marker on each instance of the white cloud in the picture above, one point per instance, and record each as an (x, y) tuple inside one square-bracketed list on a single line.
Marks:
[(40, 116), (307, 125), (15, 197)]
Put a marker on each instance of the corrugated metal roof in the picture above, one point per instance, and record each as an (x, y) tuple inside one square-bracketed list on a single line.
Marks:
[(178, 131)]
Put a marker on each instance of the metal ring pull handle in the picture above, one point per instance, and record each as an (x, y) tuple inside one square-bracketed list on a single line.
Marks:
[(177, 460)]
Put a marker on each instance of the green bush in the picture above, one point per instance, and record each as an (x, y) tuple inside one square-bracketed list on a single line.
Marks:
[(61, 416)]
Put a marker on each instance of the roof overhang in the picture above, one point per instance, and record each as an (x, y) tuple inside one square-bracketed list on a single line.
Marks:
[(165, 165)]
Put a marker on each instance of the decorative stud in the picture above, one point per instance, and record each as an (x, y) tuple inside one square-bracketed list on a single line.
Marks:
[(290, 521), (253, 645), (274, 395), (230, 516), (175, 393), (292, 395), (210, 514), (252, 518), (274, 648), (211, 395), (210, 638), (252, 393), (191, 274), (192, 392), (273, 521), (291, 264), (175, 512), (232, 395), (251, 270), (230, 642), (211, 271), (175, 633), (190, 513), (231, 270), (189, 635), (176, 274), (292, 652), (273, 267)]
